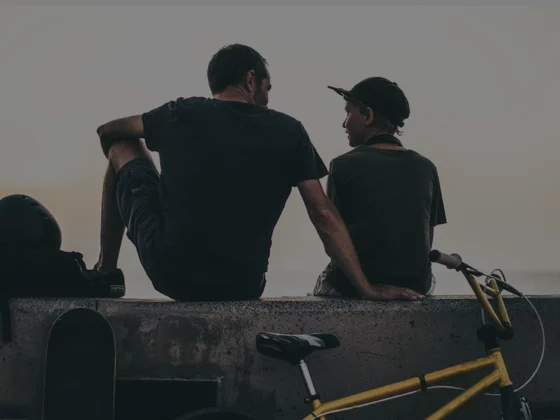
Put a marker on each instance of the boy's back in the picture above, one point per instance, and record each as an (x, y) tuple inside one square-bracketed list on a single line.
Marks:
[(389, 200)]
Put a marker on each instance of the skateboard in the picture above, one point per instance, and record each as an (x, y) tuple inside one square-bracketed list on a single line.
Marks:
[(80, 367)]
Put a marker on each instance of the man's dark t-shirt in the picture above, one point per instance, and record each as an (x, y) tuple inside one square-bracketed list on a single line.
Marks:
[(227, 169), (389, 199)]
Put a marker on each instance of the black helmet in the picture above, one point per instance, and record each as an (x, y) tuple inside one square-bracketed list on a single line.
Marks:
[(26, 223)]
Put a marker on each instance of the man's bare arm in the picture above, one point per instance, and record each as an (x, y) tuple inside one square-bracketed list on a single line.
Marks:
[(120, 129), (335, 236)]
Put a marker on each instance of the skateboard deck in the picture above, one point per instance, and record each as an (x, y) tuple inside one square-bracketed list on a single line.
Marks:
[(80, 367)]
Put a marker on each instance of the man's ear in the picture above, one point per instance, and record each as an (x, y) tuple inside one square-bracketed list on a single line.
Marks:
[(369, 116), (250, 80)]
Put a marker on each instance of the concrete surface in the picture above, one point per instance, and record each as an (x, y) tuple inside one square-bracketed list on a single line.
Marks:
[(380, 343)]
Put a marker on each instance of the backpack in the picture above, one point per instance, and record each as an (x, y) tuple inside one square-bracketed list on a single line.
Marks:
[(32, 272)]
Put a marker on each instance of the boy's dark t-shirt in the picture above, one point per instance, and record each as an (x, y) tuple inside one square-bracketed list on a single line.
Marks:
[(389, 199), (227, 169)]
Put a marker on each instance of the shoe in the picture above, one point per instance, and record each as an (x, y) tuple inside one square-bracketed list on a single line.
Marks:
[(109, 283)]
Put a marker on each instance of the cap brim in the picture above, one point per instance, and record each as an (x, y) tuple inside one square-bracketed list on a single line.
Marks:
[(342, 92)]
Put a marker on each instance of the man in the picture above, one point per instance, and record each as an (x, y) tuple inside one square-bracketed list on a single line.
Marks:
[(388, 196), (203, 227)]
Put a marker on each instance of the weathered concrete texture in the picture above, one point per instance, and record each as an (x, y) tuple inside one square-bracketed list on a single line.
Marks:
[(380, 343), (22, 360)]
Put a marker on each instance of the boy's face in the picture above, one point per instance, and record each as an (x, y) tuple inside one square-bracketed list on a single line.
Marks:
[(355, 124)]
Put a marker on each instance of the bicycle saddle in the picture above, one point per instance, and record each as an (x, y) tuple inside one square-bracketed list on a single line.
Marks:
[(294, 347)]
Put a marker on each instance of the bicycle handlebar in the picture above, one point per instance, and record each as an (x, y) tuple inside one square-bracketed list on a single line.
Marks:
[(452, 261), (455, 262)]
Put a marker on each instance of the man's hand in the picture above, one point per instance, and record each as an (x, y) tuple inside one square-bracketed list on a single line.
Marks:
[(389, 292)]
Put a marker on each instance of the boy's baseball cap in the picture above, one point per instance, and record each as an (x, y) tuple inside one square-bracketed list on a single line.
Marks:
[(382, 96)]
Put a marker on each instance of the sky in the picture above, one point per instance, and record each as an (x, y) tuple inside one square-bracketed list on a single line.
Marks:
[(482, 84)]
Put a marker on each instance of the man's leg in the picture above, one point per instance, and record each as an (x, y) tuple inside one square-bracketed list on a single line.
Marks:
[(130, 199), (112, 225)]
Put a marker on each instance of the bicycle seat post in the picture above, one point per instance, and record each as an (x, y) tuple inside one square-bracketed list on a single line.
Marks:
[(310, 388)]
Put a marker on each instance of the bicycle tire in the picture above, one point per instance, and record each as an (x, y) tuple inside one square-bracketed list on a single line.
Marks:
[(545, 410), (216, 413)]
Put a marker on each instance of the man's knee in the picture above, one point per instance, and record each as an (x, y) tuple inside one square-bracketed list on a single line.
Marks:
[(123, 151)]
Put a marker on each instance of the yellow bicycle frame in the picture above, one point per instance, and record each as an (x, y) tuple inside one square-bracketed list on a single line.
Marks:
[(494, 359)]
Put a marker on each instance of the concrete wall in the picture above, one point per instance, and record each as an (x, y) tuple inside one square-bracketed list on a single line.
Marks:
[(380, 343)]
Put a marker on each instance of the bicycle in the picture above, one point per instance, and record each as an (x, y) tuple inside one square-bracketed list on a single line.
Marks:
[(295, 348)]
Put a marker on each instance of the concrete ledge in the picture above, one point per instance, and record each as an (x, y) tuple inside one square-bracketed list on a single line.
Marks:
[(380, 343)]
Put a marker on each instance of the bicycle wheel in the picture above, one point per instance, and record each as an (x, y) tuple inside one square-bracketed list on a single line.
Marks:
[(215, 414), (544, 410)]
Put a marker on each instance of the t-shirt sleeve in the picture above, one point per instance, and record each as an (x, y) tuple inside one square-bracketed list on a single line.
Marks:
[(157, 124), (437, 216), (308, 163)]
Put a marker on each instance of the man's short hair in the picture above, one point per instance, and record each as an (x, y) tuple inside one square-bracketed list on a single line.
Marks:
[(231, 64)]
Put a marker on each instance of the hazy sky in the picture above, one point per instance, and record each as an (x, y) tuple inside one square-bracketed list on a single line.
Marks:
[(482, 84)]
